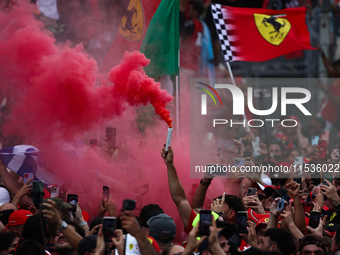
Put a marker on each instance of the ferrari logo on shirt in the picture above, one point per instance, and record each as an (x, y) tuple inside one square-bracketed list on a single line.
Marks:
[(332, 216), (131, 246), (132, 24), (272, 28)]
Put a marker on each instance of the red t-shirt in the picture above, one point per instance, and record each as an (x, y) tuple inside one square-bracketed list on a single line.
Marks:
[(191, 220)]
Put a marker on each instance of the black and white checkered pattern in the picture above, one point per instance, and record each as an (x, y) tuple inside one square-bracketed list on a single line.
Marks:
[(221, 28)]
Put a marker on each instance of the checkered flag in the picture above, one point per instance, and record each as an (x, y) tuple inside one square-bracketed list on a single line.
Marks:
[(222, 28)]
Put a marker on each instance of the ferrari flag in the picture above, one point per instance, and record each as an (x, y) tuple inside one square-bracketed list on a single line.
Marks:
[(248, 34)]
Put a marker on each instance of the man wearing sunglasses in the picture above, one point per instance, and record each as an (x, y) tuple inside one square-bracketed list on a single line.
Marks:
[(270, 195)]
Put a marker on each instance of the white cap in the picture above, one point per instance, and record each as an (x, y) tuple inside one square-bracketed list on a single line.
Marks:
[(266, 180)]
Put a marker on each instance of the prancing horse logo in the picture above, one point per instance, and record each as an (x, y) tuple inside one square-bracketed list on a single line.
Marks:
[(132, 24), (273, 29)]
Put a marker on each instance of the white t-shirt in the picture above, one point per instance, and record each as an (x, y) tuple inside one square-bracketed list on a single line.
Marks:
[(4, 196), (131, 246)]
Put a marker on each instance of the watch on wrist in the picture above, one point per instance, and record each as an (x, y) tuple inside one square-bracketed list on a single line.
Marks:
[(63, 226), (205, 183)]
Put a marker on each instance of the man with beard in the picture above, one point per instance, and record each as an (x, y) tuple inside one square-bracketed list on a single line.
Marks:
[(61, 245)]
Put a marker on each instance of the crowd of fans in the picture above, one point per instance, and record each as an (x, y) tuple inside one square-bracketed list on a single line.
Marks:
[(270, 213)]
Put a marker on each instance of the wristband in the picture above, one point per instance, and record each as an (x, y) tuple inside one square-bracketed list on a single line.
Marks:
[(219, 214), (82, 223), (63, 226), (204, 183)]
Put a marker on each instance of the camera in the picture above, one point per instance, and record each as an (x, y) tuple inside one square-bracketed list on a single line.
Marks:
[(129, 205)]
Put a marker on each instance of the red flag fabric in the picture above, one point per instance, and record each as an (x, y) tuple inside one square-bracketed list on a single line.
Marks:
[(249, 34), (131, 30)]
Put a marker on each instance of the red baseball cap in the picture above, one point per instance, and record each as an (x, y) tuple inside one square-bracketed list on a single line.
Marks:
[(18, 218), (261, 222)]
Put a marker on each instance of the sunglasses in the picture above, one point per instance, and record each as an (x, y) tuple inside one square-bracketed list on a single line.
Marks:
[(272, 195), (261, 197)]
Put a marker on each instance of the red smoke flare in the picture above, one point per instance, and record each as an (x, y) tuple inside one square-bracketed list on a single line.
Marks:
[(130, 82), (57, 85)]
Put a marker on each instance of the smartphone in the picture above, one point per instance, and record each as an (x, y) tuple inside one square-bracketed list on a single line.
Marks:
[(298, 161), (226, 145), (37, 193), (286, 198), (93, 142), (256, 146), (129, 205), (328, 177), (28, 176), (55, 190), (314, 140), (210, 136), (251, 191), (205, 222), (242, 222), (314, 219), (111, 137), (280, 205), (322, 147), (72, 199), (307, 206), (247, 154), (239, 162), (325, 136), (109, 228), (106, 192)]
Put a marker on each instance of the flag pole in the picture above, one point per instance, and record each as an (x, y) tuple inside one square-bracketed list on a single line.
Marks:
[(244, 115), (177, 107)]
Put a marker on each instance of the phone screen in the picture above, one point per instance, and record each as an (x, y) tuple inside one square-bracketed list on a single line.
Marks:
[(242, 222), (205, 222), (314, 140), (109, 227), (314, 219), (72, 199), (298, 161), (106, 192)]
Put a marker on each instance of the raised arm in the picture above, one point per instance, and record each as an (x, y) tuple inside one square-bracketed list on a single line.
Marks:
[(131, 225), (52, 214), (176, 188), (293, 189)]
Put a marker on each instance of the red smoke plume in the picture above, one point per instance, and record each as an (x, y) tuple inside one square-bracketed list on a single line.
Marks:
[(59, 82), (132, 84)]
